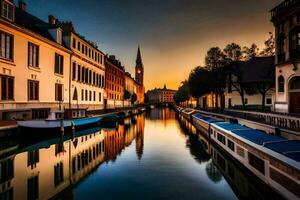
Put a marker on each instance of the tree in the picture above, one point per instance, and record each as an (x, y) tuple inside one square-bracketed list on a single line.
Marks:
[(236, 80), (127, 95), (182, 94), (214, 57), (199, 83), (233, 52), (146, 98), (269, 49), (133, 98), (215, 61), (250, 52)]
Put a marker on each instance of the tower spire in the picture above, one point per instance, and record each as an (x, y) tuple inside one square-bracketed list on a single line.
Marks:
[(139, 62)]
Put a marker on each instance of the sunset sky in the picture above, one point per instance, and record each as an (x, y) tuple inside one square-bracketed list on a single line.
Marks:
[(174, 35)]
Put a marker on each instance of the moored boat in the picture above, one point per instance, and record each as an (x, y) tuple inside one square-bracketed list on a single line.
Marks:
[(60, 121)]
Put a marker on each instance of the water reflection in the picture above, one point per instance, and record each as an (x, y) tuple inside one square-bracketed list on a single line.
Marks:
[(44, 169), (150, 156)]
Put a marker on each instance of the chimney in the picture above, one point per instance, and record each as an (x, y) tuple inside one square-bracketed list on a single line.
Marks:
[(52, 20), (22, 5)]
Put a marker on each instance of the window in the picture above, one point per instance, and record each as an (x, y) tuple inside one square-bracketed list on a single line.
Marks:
[(58, 174), (256, 162), (6, 46), (33, 188), (269, 101), (86, 95), (33, 55), (58, 92), (221, 138), (94, 96), (102, 77), (229, 103), (90, 77), (280, 84), (59, 36), (230, 144), (33, 158), (79, 73), (59, 64), (74, 43), (7, 88), (82, 74), (99, 96), (33, 90), (7, 10), (82, 48), (90, 95), (78, 46), (74, 71), (86, 80)]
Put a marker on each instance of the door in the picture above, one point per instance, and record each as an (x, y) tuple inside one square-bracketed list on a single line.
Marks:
[(295, 102)]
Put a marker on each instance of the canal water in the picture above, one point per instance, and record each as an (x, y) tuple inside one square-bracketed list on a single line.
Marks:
[(156, 155)]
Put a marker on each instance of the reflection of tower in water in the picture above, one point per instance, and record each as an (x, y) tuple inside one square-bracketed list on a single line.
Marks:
[(139, 141)]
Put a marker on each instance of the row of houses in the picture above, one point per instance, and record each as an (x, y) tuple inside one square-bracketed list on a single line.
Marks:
[(283, 96), (47, 65)]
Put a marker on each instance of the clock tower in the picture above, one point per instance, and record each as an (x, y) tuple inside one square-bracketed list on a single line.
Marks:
[(139, 68)]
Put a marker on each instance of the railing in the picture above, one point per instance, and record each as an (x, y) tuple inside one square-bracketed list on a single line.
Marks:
[(276, 120)]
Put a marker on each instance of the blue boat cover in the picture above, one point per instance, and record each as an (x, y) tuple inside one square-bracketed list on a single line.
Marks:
[(230, 127), (289, 148), (258, 137), (198, 116)]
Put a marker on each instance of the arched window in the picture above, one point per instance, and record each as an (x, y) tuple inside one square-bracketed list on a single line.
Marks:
[(295, 83), (280, 84)]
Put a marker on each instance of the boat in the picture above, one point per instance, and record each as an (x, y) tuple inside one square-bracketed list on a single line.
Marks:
[(274, 159), (60, 120)]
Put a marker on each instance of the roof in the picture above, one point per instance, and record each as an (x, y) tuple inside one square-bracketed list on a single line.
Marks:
[(259, 69), (34, 24), (284, 6)]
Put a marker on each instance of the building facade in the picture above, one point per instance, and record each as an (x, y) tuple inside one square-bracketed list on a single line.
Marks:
[(87, 70), (163, 95), (115, 82), (130, 87), (286, 20), (34, 64)]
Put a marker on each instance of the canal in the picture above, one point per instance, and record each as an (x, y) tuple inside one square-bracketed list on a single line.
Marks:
[(155, 155)]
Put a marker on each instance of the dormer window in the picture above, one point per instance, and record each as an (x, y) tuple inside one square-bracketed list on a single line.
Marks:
[(7, 10), (59, 36)]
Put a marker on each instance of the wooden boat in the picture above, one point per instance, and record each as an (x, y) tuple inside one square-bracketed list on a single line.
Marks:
[(75, 118)]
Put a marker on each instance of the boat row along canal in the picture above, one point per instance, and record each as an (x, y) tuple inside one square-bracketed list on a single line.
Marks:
[(158, 154)]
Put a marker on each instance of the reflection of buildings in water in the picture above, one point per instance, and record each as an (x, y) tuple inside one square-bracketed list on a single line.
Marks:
[(48, 168), (139, 141), (161, 114), (114, 142)]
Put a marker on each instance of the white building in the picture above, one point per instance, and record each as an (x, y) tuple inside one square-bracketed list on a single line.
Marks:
[(286, 19), (34, 65)]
